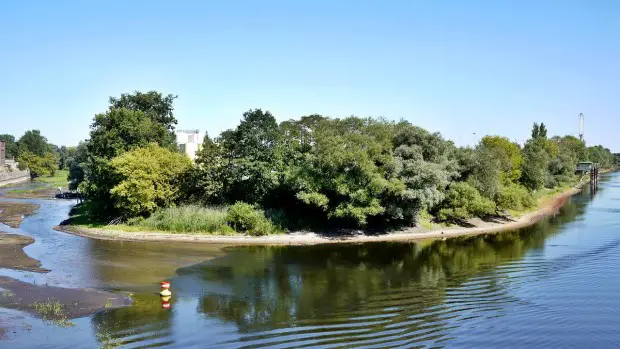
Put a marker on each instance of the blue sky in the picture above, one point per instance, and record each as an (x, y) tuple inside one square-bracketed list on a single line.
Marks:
[(457, 67)]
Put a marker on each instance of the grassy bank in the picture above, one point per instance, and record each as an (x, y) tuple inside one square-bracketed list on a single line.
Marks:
[(47, 187), (310, 238), (234, 220), (543, 197)]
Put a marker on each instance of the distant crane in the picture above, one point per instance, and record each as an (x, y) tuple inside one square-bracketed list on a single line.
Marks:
[(581, 122)]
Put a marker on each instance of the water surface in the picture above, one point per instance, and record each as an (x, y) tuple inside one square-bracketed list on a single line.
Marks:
[(552, 285)]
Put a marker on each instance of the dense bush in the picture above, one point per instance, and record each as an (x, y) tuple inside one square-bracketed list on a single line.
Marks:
[(515, 197), (246, 218), (462, 202)]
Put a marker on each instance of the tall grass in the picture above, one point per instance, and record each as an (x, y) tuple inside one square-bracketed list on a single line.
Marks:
[(187, 219), (240, 218)]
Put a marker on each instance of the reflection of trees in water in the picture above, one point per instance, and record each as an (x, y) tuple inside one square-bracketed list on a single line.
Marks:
[(273, 287), (144, 319), (133, 265)]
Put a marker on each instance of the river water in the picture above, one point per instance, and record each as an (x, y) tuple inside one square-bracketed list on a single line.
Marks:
[(553, 285)]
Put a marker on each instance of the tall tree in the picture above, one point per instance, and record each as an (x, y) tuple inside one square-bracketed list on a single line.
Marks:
[(542, 131), (77, 165), (32, 141), (148, 179), (153, 104), (424, 163), (535, 131), (508, 154), (251, 157), (535, 165)]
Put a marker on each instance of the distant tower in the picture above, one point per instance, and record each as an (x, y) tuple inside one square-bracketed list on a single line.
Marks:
[(581, 122)]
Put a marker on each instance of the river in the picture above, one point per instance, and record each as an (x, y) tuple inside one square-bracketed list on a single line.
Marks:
[(552, 285)]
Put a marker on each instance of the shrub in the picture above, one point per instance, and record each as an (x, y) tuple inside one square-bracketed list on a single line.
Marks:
[(463, 201), (514, 197), (246, 218)]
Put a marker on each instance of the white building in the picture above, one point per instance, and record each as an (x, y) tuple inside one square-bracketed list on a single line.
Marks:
[(189, 141)]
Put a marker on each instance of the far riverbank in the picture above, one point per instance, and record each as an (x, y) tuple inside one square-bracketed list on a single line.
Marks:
[(311, 238)]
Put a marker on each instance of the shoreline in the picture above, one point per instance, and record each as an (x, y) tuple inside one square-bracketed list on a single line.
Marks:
[(311, 238)]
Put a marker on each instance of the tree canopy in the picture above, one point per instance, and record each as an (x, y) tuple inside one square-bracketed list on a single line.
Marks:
[(315, 171)]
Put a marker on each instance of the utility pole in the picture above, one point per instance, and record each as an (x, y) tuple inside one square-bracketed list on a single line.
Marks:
[(581, 125)]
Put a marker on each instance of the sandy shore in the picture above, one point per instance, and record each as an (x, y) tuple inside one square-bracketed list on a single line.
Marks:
[(309, 238)]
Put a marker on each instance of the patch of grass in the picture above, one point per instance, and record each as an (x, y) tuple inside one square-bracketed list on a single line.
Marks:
[(59, 179), (54, 312), (7, 293), (193, 219), (186, 219), (108, 304), (542, 198)]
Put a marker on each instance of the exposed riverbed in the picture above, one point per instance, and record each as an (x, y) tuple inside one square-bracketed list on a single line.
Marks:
[(550, 285)]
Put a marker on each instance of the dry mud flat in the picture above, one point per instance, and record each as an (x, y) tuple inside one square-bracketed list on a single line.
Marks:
[(12, 255), (75, 302), (13, 213), (22, 296)]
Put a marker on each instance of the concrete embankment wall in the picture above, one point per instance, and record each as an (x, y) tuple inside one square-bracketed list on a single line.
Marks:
[(7, 178)]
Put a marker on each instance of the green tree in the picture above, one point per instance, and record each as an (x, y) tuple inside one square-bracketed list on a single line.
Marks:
[(203, 182), (112, 134), (542, 130), (250, 157), (347, 172), (508, 154), (77, 165), (601, 155), (486, 175), (153, 104), (149, 179), (535, 164), (45, 165), (535, 131), (65, 157), (424, 162), (33, 142)]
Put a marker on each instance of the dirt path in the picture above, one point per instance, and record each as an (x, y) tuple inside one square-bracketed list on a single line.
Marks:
[(309, 238)]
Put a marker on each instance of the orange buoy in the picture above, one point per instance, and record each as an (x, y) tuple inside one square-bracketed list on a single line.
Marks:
[(165, 289), (165, 305)]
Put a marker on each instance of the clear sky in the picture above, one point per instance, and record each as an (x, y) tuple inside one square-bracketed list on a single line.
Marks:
[(457, 67)]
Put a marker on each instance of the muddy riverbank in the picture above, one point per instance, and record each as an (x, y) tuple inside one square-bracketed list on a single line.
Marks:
[(13, 213), (12, 255), (312, 238), (75, 303)]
